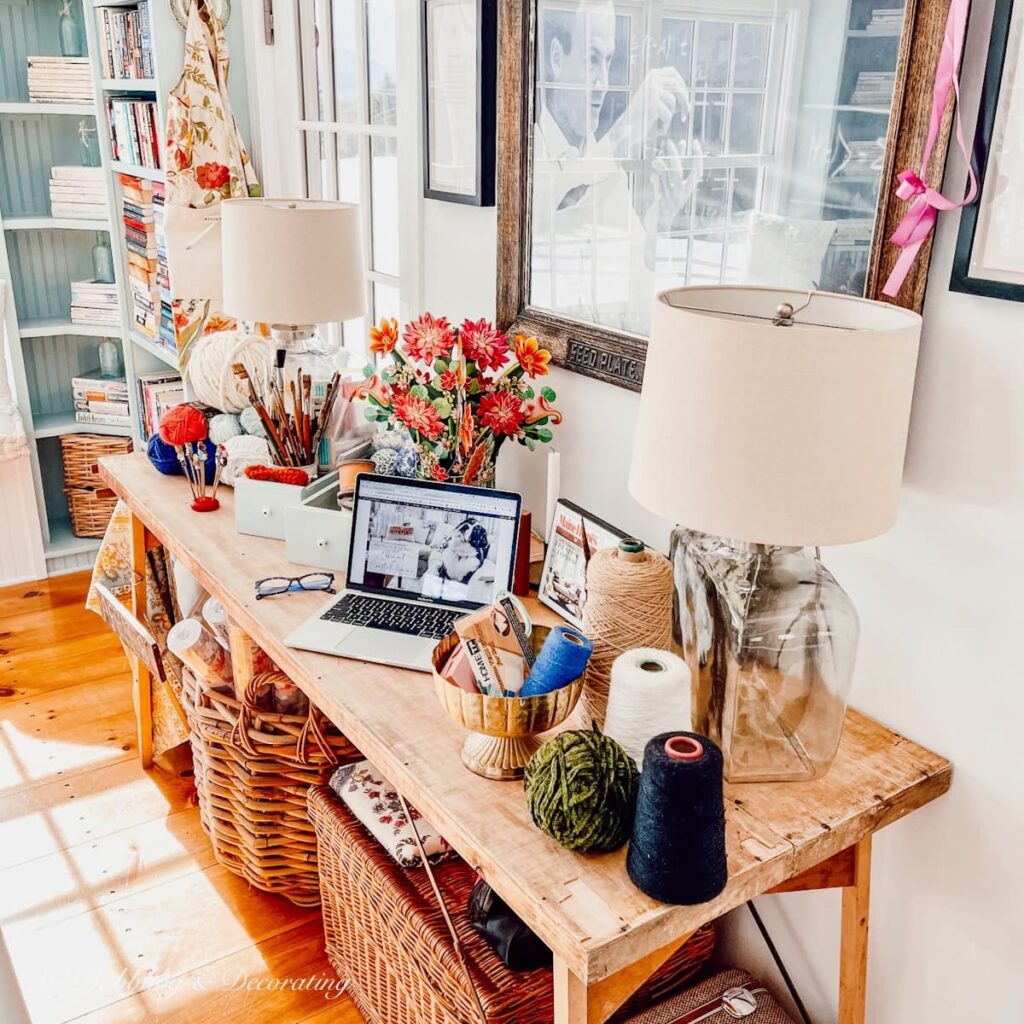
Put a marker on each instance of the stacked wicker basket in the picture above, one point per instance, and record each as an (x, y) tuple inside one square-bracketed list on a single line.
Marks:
[(89, 504)]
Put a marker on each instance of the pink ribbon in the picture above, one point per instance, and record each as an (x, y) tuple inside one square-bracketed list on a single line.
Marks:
[(925, 202)]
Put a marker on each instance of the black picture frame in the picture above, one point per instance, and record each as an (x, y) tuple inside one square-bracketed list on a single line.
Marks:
[(961, 279), (486, 119)]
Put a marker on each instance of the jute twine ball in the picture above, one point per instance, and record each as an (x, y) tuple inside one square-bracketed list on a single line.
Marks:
[(581, 790)]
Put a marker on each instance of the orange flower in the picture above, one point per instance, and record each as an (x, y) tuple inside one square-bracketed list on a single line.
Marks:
[(428, 338), (502, 412), (466, 429), (439, 473), (530, 356), (385, 337), (482, 343), (212, 176), (475, 464), (419, 415)]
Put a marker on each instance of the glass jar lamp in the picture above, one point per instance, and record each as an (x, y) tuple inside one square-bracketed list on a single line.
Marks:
[(771, 641)]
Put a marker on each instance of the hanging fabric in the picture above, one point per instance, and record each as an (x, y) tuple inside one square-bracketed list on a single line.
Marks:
[(13, 442), (206, 163)]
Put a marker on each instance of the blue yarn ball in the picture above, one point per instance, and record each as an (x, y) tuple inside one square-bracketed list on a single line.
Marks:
[(165, 459), (384, 461), (407, 462)]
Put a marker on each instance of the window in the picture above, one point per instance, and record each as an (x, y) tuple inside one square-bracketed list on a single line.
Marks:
[(332, 77)]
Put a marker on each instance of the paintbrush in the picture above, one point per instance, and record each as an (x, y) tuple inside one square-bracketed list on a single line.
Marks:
[(261, 410), (307, 414), (325, 410)]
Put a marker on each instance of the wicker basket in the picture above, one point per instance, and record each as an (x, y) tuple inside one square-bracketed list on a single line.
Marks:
[(82, 453), (252, 770), (90, 510), (386, 936)]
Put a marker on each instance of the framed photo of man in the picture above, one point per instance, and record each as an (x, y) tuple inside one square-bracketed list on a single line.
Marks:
[(648, 144)]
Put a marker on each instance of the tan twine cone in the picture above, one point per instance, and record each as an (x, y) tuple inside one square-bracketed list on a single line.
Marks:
[(628, 605)]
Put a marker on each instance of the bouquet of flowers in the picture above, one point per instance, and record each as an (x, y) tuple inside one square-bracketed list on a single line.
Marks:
[(459, 393)]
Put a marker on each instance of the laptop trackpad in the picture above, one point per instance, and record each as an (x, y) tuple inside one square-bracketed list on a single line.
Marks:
[(390, 648)]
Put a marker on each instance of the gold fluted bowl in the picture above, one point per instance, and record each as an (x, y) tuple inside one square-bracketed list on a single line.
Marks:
[(503, 731)]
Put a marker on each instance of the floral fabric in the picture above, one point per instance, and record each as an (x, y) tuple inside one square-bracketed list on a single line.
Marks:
[(374, 801), (113, 569), (206, 159)]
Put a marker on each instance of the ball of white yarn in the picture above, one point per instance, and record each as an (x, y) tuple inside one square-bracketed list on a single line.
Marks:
[(251, 422), (210, 368), (223, 427), (244, 450)]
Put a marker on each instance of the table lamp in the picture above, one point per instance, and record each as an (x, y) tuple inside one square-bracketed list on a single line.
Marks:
[(771, 422), (292, 264)]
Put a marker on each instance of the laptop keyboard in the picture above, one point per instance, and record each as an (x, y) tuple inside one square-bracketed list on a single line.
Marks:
[(394, 616)]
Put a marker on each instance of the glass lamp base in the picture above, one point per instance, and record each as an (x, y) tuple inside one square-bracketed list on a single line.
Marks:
[(771, 641)]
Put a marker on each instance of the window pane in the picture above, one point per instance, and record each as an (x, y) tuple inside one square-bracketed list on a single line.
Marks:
[(714, 51), (344, 32), (709, 209), (349, 173), (385, 302), (382, 66), (751, 56), (677, 46), (384, 204), (745, 123), (709, 122), (354, 336), (744, 193)]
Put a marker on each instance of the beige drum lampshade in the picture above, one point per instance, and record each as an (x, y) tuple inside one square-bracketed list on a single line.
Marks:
[(292, 261), (782, 435)]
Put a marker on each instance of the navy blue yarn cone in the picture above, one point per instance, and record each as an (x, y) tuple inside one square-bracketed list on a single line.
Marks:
[(677, 853)]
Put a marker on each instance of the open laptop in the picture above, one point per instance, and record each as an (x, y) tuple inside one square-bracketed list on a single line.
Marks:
[(422, 554)]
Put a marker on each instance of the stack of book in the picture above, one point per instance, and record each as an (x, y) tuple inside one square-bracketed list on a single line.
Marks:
[(93, 302), (126, 50), (78, 192), (874, 88), (166, 337), (134, 136), (158, 392), (59, 80), (886, 21), (101, 400), (140, 240)]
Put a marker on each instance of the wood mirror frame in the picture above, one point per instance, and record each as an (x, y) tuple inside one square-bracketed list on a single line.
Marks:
[(618, 357)]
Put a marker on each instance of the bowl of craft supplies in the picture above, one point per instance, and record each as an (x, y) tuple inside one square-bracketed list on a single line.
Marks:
[(507, 682)]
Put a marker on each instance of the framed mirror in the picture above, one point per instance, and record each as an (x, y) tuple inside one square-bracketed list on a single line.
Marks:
[(647, 144)]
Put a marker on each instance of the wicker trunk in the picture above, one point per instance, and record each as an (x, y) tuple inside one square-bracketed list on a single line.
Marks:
[(90, 505), (386, 936), (252, 770)]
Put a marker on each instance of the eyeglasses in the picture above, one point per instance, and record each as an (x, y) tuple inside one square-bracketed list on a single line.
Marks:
[(274, 585)]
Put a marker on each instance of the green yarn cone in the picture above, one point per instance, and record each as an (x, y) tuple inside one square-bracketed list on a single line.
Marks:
[(581, 790)]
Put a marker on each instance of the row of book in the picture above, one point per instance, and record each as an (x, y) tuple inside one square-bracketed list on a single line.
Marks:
[(101, 400), (59, 80), (874, 88), (157, 392), (134, 135), (95, 303), (126, 48), (140, 242), (167, 338), (78, 193)]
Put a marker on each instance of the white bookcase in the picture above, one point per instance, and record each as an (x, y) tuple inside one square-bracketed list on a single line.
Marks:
[(40, 255)]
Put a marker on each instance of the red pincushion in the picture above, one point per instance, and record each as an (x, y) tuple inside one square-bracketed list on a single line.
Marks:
[(183, 424)]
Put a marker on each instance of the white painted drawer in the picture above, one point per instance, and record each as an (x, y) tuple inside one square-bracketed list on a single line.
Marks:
[(317, 532), (260, 505)]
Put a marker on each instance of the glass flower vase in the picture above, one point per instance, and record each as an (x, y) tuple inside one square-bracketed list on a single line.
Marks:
[(771, 641)]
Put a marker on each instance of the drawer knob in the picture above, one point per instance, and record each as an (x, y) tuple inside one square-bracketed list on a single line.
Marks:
[(265, 511), (321, 543)]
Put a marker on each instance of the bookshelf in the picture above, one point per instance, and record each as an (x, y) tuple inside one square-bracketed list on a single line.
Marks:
[(40, 254)]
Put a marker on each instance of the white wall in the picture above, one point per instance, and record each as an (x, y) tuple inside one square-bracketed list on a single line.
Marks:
[(940, 605)]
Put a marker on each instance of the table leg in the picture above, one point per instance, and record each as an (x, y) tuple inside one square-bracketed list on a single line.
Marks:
[(570, 996), (853, 950), (142, 680)]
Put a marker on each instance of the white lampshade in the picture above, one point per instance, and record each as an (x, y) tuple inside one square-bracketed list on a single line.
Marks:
[(292, 261), (782, 435)]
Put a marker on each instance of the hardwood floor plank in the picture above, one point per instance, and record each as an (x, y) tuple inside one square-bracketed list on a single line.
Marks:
[(141, 940), (70, 730), (94, 874), (81, 807), (308, 989)]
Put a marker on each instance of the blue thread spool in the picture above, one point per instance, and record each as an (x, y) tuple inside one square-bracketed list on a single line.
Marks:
[(562, 659)]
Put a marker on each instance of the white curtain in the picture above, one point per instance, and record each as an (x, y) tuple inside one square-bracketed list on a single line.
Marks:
[(13, 443)]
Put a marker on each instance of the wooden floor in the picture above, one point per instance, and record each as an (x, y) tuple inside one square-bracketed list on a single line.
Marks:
[(111, 904)]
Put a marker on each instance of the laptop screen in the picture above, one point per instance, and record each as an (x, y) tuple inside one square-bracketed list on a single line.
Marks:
[(435, 542)]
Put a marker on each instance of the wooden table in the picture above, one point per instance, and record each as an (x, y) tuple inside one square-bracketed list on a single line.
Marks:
[(606, 936)]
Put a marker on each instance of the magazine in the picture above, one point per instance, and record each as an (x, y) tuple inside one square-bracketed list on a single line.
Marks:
[(575, 536)]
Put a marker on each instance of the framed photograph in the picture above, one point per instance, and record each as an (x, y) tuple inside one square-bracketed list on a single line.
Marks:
[(575, 536), (459, 81), (989, 257), (648, 144)]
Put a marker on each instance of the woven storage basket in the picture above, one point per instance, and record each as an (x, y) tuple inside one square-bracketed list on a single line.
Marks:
[(386, 936), (82, 453), (90, 510), (252, 770)]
